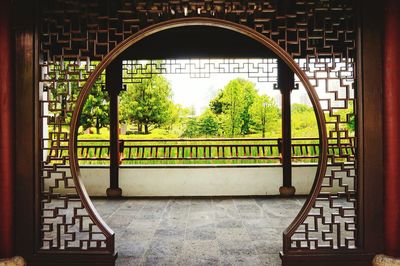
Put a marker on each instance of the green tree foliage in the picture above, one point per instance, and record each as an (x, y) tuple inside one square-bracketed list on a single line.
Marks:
[(233, 104), (147, 103), (191, 129), (304, 122), (95, 112), (265, 115), (208, 125), (216, 104), (352, 123), (173, 115), (347, 118)]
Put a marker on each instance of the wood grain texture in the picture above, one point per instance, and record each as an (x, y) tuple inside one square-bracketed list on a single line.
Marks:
[(392, 128), (6, 134)]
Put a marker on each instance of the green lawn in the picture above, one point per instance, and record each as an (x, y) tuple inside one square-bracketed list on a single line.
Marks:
[(160, 147)]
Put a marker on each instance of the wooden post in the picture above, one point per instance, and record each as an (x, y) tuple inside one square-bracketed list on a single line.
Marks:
[(6, 133), (286, 85), (113, 87), (392, 128)]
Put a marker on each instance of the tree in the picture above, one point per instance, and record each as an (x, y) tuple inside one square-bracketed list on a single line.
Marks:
[(172, 115), (234, 102), (208, 124), (95, 112), (346, 117), (265, 114), (191, 129), (250, 94), (216, 104), (304, 122), (147, 103)]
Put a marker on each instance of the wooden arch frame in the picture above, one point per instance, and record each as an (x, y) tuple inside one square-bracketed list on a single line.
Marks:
[(185, 22), (368, 30)]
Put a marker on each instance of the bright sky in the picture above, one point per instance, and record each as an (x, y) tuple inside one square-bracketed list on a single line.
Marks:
[(198, 92)]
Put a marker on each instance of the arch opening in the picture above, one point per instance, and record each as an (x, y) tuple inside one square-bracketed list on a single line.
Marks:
[(182, 23)]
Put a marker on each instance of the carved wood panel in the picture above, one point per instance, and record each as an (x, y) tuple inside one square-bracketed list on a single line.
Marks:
[(76, 35)]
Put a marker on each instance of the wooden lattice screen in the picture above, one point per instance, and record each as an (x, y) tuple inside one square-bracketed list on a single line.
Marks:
[(74, 37)]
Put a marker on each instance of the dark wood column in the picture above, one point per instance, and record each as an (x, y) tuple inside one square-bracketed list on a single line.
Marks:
[(286, 85), (113, 87), (392, 128), (6, 134)]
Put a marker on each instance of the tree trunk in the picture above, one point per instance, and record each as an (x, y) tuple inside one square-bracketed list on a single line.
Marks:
[(139, 128), (146, 129), (97, 126)]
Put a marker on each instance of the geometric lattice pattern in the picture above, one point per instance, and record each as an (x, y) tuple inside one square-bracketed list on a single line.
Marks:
[(332, 222), (75, 35), (66, 225), (261, 70)]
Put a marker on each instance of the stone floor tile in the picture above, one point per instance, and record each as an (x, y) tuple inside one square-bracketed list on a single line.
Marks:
[(128, 261), (165, 248), (148, 215), (172, 223), (232, 233), (270, 259), (132, 234), (176, 214), (153, 209), (144, 224), (252, 260), (270, 234), (256, 223), (226, 213), (200, 223), (198, 261), (170, 233), (157, 260), (252, 214), (229, 223), (266, 246), (200, 248), (119, 220), (200, 215), (133, 249), (200, 233), (248, 207), (237, 247), (244, 200)]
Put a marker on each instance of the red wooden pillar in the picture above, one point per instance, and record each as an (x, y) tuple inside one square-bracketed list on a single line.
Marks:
[(6, 134), (392, 127)]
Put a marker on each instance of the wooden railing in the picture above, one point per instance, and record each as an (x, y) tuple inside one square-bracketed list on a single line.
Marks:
[(238, 150)]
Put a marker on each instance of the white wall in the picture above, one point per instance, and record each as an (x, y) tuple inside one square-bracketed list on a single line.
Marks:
[(198, 181)]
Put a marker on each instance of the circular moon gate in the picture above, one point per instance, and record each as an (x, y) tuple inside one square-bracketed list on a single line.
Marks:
[(185, 22)]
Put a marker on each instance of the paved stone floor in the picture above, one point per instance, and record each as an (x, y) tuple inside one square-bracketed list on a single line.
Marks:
[(199, 231)]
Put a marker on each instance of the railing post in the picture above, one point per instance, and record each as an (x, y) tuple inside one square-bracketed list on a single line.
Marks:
[(286, 85), (113, 87)]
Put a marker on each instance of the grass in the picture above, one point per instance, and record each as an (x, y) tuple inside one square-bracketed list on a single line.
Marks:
[(166, 152)]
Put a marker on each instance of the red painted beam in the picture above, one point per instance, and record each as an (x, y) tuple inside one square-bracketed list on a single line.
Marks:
[(392, 127), (6, 134)]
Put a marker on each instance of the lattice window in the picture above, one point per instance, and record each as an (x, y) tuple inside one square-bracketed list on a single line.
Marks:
[(76, 35)]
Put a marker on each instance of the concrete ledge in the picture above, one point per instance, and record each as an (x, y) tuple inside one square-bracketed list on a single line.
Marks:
[(206, 181)]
